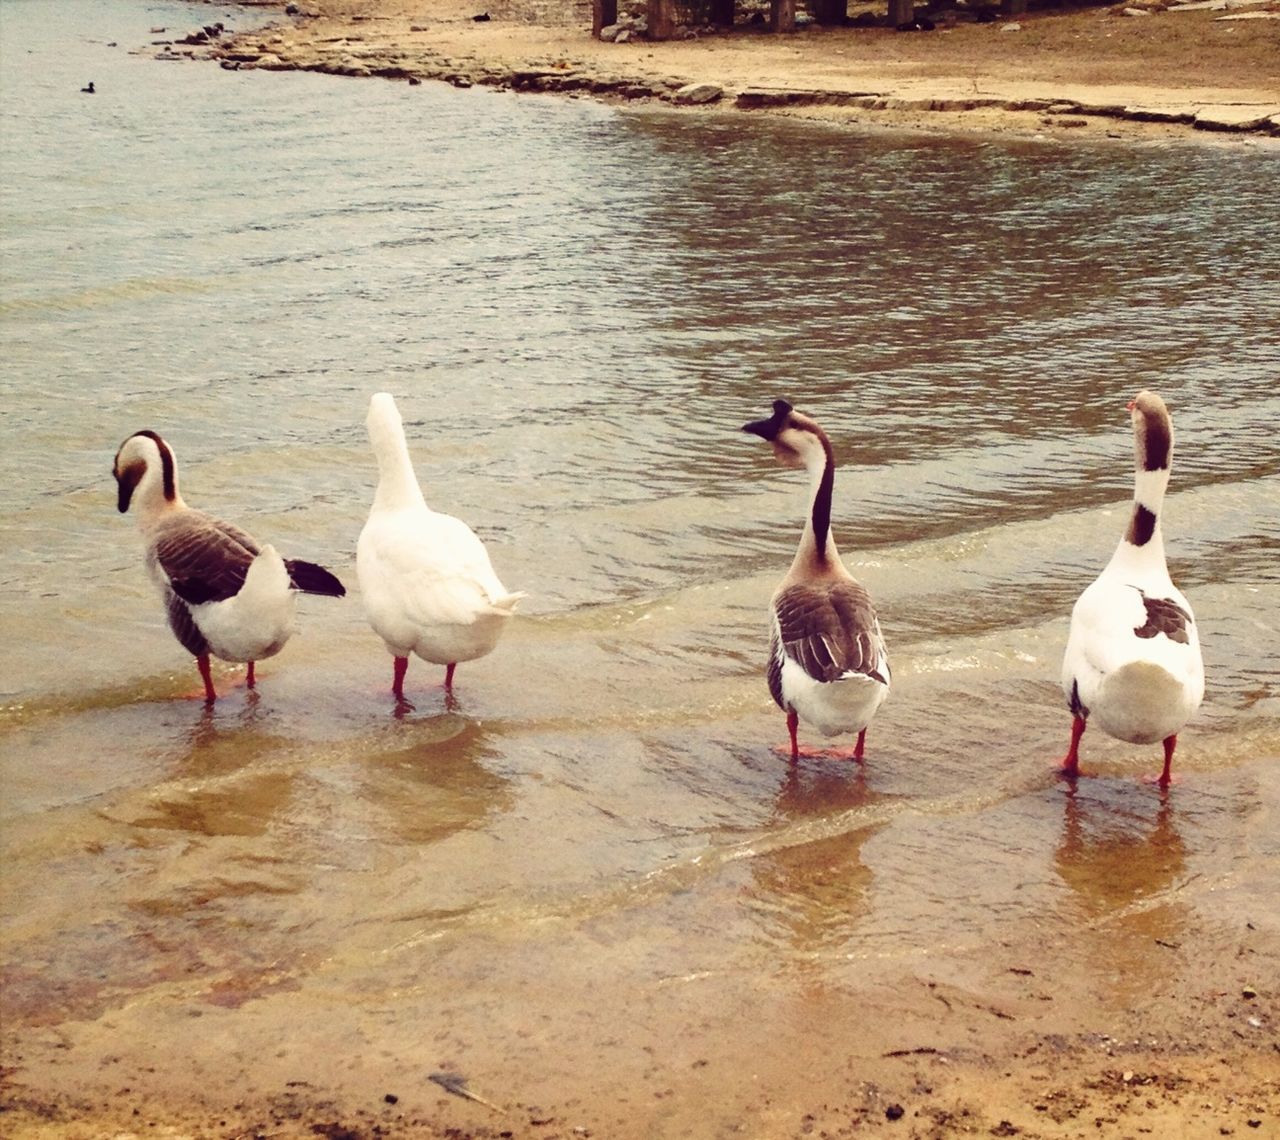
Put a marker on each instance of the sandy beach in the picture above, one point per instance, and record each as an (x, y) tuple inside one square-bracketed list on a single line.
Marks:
[(1122, 71), (560, 1017)]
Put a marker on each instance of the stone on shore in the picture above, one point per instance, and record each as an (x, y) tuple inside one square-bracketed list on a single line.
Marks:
[(1233, 118), (695, 93), (1142, 114)]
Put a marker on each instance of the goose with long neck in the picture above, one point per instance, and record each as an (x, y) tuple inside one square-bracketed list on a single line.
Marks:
[(828, 664), (226, 596), (428, 584), (1132, 663)]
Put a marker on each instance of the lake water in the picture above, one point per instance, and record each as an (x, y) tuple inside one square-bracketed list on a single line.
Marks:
[(577, 307)]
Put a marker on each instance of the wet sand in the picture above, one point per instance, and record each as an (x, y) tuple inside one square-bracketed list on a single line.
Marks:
[(1117, 1031)]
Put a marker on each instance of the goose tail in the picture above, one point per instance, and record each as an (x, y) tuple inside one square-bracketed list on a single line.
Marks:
[(507, 602), (313, 579)]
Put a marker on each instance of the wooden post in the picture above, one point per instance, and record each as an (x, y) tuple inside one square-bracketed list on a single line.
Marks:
[(603, 14), (721, 13), (662, 19), (833, 12), (901, 12), (783, 15)]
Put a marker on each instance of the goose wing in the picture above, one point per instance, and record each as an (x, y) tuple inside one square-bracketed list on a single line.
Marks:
[(427, 568), (202, 558), (830, 630), (1115, 623)]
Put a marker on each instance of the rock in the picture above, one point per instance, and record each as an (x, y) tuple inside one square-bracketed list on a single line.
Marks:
[(1160, 114), (610, 32), (1063, 108), (804, 20), (624, 36), (1011, 27), (1233, 118), (1135, 12), (695, 93)]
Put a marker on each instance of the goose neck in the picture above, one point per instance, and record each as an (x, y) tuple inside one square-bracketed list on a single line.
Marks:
[(817, 546), (397, 483)]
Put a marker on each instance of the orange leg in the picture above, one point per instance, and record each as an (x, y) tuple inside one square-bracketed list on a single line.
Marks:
[(1071, 762), (1170, 743), (397, 682), (448, 676), (210, 693), (249, 680)]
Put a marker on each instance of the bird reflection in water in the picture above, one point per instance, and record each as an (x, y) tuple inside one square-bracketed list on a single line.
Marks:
[(812, 888), (1124, 867)]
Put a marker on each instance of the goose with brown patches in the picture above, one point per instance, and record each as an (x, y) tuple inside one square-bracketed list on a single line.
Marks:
[(828, 665), (226, 596), (429, 587), (1132, 663)]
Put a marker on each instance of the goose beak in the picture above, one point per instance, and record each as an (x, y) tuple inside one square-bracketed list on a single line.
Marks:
[(126, 482), (768, 429)]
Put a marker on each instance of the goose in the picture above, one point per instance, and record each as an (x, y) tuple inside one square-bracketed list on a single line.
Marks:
[(1132, 662), (828, 664), (225, 595), (428, 585)]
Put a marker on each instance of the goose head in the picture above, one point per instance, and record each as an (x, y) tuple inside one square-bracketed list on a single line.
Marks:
[(383, 421), (1152, 432), (797, 440), (146, 470)]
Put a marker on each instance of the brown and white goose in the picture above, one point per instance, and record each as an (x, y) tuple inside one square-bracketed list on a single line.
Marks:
[(225, 595), (828, 665), (1132, 662)]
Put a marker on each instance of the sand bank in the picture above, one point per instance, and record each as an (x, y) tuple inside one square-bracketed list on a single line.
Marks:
[(1195, 70)]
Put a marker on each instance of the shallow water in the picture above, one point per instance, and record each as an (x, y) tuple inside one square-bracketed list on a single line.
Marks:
[(577, 308)]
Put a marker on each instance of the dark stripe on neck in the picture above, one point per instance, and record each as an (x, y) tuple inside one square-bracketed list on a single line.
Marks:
[(822, 504), (1141, 527), (1158, 442), (166, 465)]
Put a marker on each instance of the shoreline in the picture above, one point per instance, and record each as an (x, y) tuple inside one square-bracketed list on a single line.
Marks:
[(957, 80)]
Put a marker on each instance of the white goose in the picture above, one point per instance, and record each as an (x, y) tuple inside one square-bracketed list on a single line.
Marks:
[(225, 595), (828, 665), (1133, 654), (429, 587)]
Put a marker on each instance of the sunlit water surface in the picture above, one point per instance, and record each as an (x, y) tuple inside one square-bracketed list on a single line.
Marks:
[(576, 309)]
